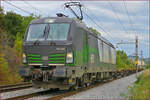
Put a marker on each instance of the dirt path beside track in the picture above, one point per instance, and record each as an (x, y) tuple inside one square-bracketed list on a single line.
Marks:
[(112, 90)]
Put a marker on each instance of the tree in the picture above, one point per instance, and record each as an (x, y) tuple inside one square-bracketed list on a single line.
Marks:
[(122, 60), (25, 22), (12, 33), (12, 22), (94, 30)]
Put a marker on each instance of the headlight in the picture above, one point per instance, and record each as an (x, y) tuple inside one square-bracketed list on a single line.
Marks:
[(69, 57), (24, 60)]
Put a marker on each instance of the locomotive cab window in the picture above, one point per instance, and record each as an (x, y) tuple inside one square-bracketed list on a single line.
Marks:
[(58, 31), (36, 32)]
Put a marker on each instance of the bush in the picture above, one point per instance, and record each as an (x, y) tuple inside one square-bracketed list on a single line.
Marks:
[(141, 88), (148, 65), (12, 33), (122, 61)]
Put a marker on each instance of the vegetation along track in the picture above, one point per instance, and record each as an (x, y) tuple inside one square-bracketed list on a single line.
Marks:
[(7, 88)]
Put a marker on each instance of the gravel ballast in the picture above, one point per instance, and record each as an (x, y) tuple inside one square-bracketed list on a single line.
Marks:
[(12, 94), (112, 90), (107, 91)]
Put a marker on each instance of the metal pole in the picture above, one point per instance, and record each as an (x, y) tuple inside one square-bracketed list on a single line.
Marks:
[(149, 41), (141, 58), (0, 30), (136, 53)]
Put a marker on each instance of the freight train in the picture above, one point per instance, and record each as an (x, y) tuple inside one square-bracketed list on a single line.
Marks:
[(61, 52)]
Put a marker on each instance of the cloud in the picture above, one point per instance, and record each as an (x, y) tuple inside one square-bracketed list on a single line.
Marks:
[(107, 12), (103, 14), (48, 8)]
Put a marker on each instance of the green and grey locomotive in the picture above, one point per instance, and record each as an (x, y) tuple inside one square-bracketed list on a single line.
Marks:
[(61, 52)]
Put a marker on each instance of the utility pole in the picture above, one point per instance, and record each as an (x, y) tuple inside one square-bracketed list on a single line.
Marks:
[(136, 53), (0, 39), (141, 58)]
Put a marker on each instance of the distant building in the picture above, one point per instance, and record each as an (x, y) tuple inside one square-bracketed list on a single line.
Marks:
[(140, 63)]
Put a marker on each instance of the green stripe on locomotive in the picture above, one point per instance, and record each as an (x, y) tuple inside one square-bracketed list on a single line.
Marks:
[(86, 50)]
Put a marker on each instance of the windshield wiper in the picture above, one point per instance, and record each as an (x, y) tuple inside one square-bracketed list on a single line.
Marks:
[(41, 36), (50, 36)]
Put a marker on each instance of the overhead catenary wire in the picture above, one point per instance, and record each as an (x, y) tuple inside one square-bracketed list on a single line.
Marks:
[(118, 46), (19, 8), (106, 32), (95, 22), (117, 17), (100, 26), (8, 7), (130, 21), (33, 7)]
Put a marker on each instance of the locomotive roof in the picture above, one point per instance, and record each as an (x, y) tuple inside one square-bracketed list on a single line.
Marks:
[(59, 19), (51, 19), (68, 20), (106, 41)]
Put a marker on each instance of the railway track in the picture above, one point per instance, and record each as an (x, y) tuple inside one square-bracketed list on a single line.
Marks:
[(55, 94), (70, 93), (58, 95), (36, 94), (13, 87), (22, 97)]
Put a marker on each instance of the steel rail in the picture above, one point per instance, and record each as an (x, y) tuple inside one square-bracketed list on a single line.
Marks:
[(58, 95), (53, 92), (12, 87)]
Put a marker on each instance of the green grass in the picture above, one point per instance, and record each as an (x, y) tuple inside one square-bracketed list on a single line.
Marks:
[(141, 88)]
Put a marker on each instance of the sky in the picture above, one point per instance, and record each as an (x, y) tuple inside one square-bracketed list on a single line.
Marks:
[(117, 20)]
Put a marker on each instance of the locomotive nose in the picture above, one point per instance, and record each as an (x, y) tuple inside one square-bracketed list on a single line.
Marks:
[(46, 55)]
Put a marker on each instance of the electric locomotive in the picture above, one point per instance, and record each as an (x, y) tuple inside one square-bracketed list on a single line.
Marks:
[(61, 52)]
